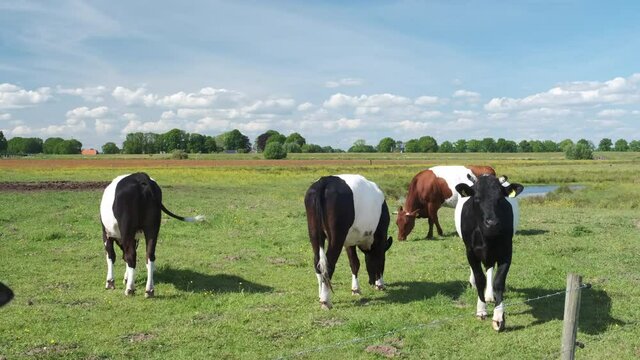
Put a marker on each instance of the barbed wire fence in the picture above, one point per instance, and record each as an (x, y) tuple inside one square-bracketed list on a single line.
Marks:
[(437, 322)]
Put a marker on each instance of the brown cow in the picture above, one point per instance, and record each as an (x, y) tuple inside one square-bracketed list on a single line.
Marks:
[(429, 190)]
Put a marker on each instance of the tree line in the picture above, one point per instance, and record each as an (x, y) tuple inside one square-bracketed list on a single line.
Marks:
[(277, 145)]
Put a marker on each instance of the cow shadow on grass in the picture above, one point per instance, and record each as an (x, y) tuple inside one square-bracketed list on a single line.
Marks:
[(411, 291), (193, 281), (531, 232), (595, 308)]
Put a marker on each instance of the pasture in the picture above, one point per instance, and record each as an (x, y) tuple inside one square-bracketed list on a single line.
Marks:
[(241, 284)]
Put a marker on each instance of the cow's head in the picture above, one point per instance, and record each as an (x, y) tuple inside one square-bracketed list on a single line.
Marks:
[(375, 259), (406, 220), (5, 294), (487, 197)]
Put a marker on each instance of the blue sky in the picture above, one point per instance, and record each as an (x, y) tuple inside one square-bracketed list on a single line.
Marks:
[(334, 71)]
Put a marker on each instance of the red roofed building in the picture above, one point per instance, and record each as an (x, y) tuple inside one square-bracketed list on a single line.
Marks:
[(89, 152)]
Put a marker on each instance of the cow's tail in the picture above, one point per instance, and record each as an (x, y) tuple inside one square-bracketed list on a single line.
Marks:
[(321, 226), (181, 218)]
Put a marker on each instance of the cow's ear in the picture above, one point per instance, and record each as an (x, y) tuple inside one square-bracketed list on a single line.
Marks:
[(389, 242), (464, 190), (513, 190)]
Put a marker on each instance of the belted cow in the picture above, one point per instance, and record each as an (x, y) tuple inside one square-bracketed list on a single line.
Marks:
[(348, 211), (131, 204), (429, 190), (486, 222)]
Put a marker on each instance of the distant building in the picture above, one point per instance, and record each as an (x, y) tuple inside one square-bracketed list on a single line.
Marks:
[(89, 152)]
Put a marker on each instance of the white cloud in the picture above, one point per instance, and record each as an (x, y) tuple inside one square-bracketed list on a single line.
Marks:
[(612, 113), (206, 97), (208, 124), (343, 82), (134, 97), (21, 130), (54, 130), (430, 114), (271, 106), (13, 96), (414, 126), (253, 126), (342, 124), (93, 94), (428, 100), (103, 126), (580, 93), (305, 106), (86, 113), (376, 100), (470, 96), (5, 116)]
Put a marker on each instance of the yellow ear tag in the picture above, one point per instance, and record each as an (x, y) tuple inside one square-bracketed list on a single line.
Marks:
[(512, 193)]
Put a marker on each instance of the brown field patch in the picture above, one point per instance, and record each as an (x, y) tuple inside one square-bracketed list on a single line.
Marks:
[(53, 185)]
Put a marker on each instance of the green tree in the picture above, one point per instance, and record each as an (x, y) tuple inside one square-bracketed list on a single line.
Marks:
[(579, 151), (634, 145), (69, 147), (428, 144), (275, 150), (20, 145), (488, 145), (261, 140), (3, 143), (506, 146), (586, 142), (386, 145), (196, 144), (211, 145), (474, 145), (550, 146), (295, 138), (110, 148), (565, 144), (446, 147), (605, 145), (279, 138), (292, 147), (133, 143), (235, 140), (460, 146), (524, 146), (174, 139), (311, 148), (412, 146), (50, 146), (360, 146), (621, 145)]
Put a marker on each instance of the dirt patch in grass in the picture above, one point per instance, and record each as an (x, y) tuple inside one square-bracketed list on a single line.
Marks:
[(387, 351), (139, 337), (53, 186), (56, 350)]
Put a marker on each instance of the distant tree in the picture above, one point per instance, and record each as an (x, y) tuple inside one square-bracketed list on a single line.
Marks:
[(292, 147), (621, 145), (311, 148), (412, 146), (360, 146), (536, 146), (506, 146), (474, 145), (295, 138), (524, 146), (579, 151), (69, 147), (174, 139), (210, 144), (634, 145), (279, 138), (196, 144), (153, 143), (605, 145), (446, 147), (261, 140), (428, 144), (50, 146), (550, 146), (399, 146), (488, 145), (20, 145), (588, 143), (386, 145), (133, 143), (3, 143), (565, 144), (274, 150), (110, 148), (235, 140), (460, 146)]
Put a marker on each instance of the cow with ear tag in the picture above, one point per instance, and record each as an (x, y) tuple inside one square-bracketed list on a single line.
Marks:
[(485, 221)]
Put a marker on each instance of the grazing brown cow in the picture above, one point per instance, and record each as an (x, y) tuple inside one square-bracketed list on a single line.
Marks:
[(429, 190)]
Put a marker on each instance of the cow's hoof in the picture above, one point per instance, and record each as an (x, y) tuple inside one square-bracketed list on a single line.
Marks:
[(325, 305), (481, 316), (149, 293), (356, 292), (379, 287), (498, 325), (111, 285), (489, 298), (130, 292)]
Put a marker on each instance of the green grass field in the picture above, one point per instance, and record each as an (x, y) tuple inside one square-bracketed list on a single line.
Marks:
[(241, 285)]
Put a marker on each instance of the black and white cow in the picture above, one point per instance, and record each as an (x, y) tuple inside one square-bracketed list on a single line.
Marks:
[(348, 211), (5, 294), (130, 204), (485, 221)]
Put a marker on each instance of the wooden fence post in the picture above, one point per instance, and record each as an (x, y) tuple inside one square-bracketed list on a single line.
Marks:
[(571, 311)]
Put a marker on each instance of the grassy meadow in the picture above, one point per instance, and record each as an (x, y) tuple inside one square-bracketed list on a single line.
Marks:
[(241, 285)]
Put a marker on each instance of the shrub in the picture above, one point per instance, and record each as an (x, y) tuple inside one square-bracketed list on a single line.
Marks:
[(579, 151), (179, 155), (274, 150)]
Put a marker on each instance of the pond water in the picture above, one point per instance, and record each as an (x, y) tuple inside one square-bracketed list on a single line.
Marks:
[(542, 190)]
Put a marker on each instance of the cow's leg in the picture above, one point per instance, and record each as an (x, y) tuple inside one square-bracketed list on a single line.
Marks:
[(430, 232), (472, 278), (111, 259), (129, 245), (332, 255), (499, 287), (151, 238), (433, 214), (354, 262), (476, 267), (488, 291)]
